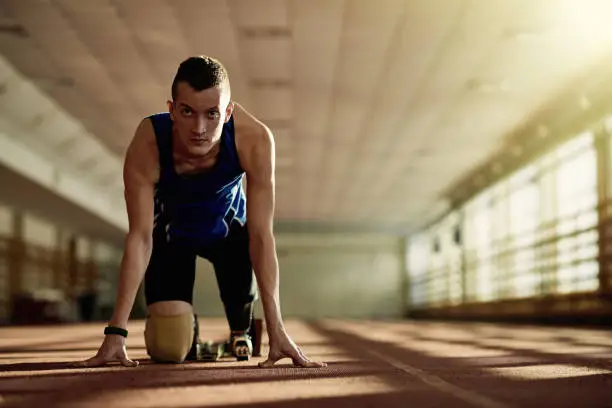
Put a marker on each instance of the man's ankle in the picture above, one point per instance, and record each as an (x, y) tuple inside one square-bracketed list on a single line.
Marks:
[(239, 333)]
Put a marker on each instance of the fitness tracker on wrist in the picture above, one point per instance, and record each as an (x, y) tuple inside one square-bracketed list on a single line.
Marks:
[(115, 330)]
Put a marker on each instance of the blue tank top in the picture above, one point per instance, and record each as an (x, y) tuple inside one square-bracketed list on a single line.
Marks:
[(197, 209)]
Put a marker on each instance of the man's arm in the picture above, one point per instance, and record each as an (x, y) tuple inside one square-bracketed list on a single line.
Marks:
[(259, 168), (258, 161), (139, 175)]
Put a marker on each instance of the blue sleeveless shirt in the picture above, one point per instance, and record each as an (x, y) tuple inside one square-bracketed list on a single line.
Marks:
[(197, 209)]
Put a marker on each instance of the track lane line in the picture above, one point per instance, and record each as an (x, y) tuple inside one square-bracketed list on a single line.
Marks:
[(468, 396)]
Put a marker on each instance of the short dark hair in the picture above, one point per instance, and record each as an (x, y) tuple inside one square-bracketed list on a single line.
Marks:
[(201, 72)]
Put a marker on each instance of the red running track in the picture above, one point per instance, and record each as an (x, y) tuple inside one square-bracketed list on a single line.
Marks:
[(370, 364)]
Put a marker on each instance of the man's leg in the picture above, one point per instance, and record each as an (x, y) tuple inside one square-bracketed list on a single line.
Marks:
[(237, 284), (169, 279)]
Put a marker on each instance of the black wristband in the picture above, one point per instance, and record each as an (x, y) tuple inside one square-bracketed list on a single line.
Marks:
[(116, 330)]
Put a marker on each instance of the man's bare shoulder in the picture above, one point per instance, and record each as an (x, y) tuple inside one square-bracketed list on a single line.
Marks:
[(254, 141), (142, 156), (249, 130), (144, 136)]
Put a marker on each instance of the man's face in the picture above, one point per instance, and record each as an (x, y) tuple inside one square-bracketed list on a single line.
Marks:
[(199, 116)]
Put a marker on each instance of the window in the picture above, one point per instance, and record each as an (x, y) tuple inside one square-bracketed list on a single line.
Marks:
[(418, 267), (576, 193), (479, 270), (532, 233), (523, 279)]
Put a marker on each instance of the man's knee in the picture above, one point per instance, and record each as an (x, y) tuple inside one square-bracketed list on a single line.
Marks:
[(169, 338)]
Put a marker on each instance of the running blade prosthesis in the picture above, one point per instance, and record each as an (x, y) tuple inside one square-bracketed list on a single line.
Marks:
[(244, 347), (239, 347)]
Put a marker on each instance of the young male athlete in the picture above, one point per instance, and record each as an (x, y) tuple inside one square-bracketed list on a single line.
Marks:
[(184, 192)]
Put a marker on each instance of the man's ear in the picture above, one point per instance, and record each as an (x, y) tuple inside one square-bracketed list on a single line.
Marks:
[(171, 109), (228, 111)]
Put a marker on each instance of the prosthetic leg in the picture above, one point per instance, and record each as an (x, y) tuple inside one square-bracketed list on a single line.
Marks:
[(241, 344), (244, 344), (238, 293)]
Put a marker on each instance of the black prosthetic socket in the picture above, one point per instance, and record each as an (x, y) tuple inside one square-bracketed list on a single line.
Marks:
[(240, 317)]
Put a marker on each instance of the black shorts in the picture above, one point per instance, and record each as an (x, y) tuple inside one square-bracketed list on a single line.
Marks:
[(170, 274)]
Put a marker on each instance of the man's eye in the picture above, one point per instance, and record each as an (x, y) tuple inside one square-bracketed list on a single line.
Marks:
[(186, 111), (213, 114)]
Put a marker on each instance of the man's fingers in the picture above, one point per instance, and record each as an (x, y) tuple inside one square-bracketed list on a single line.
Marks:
[(273, 357), (268, 363), (298, 358), (98, 361), (128, 363), (92, 362), (302, 361), (314, 364), (302, 354)]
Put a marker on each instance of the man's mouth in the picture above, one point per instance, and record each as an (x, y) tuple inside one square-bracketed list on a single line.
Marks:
[(198, 139)]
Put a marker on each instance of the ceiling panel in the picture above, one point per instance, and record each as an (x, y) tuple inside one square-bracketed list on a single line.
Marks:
[(465, 50), (316, 40), (209, 29), (365, 48), (77, 81), (317, 26), (267, 60), (423, 37), (418, 46), (157, 35), (376, 107), (283, 141), (272, 104), (260, 13), (99, 24)]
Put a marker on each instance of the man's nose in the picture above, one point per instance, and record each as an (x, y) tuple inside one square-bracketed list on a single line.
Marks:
[(200, 126)]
